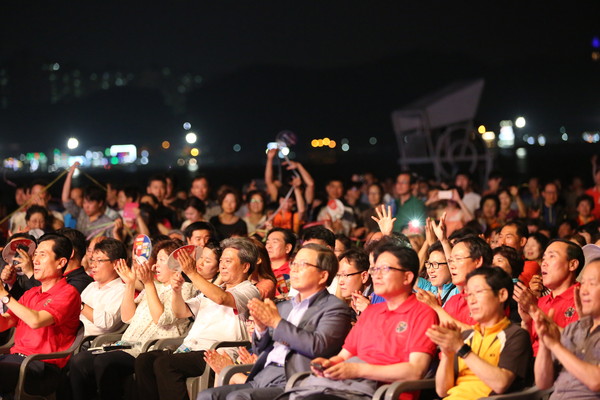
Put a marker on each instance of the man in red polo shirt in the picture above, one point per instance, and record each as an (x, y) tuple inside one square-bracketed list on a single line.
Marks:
[(46, 318), (398, 351), (561, 264), (514, 234)]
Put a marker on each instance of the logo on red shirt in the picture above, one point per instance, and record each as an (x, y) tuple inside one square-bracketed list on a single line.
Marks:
[(401, 327)]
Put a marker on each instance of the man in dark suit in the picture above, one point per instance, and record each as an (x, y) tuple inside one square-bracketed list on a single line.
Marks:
[(290, 334)]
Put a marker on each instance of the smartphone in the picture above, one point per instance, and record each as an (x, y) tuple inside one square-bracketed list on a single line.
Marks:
[(445, 194), (317, 366)]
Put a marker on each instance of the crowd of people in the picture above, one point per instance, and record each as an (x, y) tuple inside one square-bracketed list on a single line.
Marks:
[(364, 283)]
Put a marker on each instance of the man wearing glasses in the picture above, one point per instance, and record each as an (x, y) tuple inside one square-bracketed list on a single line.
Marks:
[(288, 335), (388, 342)]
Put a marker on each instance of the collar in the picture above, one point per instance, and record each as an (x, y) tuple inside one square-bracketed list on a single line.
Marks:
[(567, 294), (407, 305), (57, 287), (310, 299), (500, 326)]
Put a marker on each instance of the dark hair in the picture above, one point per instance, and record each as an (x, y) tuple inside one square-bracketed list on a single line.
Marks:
[(77, 241), (148, 215), (247, 251), (61, 246), (157, 177), (478, 248), (94, 193), (345, 240), (263, 264), (436, 246), (260, 193), (229, 190), (326, 260), (196, 203), (289, 237), (320, 233), (131, 192), (514, 259), (357, 257), (522, 230), (541, 239), (407, 257), (574, 252), (462, 232), (378, 186), (410, 175), (215, 247), (113, 248), (496, 278), (200, 226), (585, 197), (576, 237), (492, 197), (35, 209)]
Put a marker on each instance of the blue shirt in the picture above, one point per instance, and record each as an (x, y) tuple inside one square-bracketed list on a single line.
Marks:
[(448, 290)]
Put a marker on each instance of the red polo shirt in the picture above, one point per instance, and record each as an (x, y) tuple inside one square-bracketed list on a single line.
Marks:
[(383, 337), (564, 311), (62, 301), (458, 309)]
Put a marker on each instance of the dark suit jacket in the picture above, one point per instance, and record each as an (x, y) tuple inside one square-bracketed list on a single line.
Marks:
[(320, 333)]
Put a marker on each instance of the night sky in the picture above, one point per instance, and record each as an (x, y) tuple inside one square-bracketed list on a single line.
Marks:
[(329, 68)]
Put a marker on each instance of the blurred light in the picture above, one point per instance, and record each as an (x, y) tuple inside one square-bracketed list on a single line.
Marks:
[(191, 138), (345, 147), (520, 122), (481, 129), (55, 67), (89, 154), (144, 160), (126, 152), (564, 137), (596, 42), (373, 140), (541, 139), (285, 151), (194, 152), (165, 144), (506, 138), (144, 153), (237, 148), (332, 144), (314, 143), (181, 162), (292, 155), (521, 152), (326, 141), (488, 136), (114, 160), (530, 140), (563, 129), (320, 143), (591, 137), (187, 126), (193, 161), (345, 141), (72, 143)]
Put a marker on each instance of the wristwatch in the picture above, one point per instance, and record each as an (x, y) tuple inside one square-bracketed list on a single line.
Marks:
[(82, 305), (6, 298), (464, 351)]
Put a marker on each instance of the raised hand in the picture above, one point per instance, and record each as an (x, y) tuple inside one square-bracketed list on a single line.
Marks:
[(547, 330), (25, 262), (359, 302), (187, 262), (127, 275), (447, 337), (428, 298), (177, 282), (440, 228), (264, 313), (384, 219), (144, 273)]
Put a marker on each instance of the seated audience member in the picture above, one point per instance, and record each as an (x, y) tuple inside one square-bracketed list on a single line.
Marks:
[(157, 186), (46, 318), (219, 314), (342, 243), (561, 265), (36, 217), (75, 273), (149, 315), (198, 233), (440, 280), (535, 247), (256, 217), (318, 235), (509, 260), (101, 300), (193, 211), (17, 284), (41, 197), (92, 221), (228, 224), (263, 277), (290, 334), (399, 351), (339, 221), (494, 356), (201, 189), (514, 234), (468, 254), (353, 277), (571, 356), (280, 246), (585, 206), (207, 264)]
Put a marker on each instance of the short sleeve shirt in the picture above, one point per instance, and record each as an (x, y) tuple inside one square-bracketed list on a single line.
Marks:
[(458, 309), (564, 311), (62, 301)]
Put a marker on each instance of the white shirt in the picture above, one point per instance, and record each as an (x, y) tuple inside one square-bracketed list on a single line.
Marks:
[(106, 302), (214, 322)]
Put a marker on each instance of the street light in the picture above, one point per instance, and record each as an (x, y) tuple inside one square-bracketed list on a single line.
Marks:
[(520, 122), (72, 143), (191, 138)]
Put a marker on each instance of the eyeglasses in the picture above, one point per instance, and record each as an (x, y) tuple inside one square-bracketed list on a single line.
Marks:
[(455, 259), (477, 293), (434, 265), (345, 276), (256, 201), (302, 265), (384, 269), (99, 260)]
